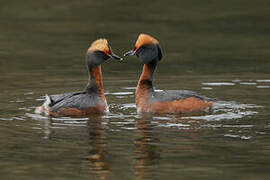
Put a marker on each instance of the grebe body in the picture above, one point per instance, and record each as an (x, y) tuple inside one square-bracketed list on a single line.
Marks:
[(90, 101), (148, 50)]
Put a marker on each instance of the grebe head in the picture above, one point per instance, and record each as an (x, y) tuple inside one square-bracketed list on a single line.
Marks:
[(98, 52), (147, 49)]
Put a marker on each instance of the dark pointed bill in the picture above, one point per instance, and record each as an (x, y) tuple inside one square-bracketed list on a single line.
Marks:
[(130, 53), (114, 56)]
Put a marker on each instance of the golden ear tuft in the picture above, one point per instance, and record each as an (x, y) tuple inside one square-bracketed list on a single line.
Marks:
[(145, 39), (99, 45)]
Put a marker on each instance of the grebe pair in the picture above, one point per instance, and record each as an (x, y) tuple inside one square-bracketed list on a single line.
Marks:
[(92, 99)]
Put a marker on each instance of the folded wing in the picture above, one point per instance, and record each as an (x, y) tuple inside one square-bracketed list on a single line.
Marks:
[(79, 100), (171, 95)]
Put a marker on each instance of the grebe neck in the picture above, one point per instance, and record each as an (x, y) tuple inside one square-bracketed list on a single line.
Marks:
[(146, 78), (95, 80)]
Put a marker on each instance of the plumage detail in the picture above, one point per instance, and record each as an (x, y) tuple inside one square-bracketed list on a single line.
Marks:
[(145, 39), (99, 45)]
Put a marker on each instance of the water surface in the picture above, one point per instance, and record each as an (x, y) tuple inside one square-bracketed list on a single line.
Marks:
[(219, 49)]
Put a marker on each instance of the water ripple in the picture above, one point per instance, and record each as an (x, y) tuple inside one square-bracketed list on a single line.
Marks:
[(262, 87), (238, 136), (124, 116), (219, 84), (248, 83), (263, 80)]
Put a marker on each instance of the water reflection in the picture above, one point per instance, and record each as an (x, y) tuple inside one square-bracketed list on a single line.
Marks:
[(161, 141), (47, 129), (42, 47), (45, 121), (151, 147), (147, 152), (96, 160)]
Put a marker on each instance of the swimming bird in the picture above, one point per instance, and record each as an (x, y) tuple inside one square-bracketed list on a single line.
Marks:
[(148, 50), (90, 101)]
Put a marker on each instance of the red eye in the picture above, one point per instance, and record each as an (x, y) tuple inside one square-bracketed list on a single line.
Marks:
[(107, 52)]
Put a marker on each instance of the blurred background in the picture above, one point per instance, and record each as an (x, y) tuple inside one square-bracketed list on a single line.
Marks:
[(42, 51)]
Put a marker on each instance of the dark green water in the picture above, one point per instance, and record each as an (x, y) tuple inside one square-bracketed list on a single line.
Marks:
[(218, 48)]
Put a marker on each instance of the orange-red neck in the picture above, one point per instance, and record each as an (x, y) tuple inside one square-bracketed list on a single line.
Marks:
[(144, 86), (95, 84), (146, 77), (97, 74), (146, 73)]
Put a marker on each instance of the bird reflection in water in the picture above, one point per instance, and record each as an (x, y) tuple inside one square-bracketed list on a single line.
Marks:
[(149, 148), (96, 160), (147, 151)]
